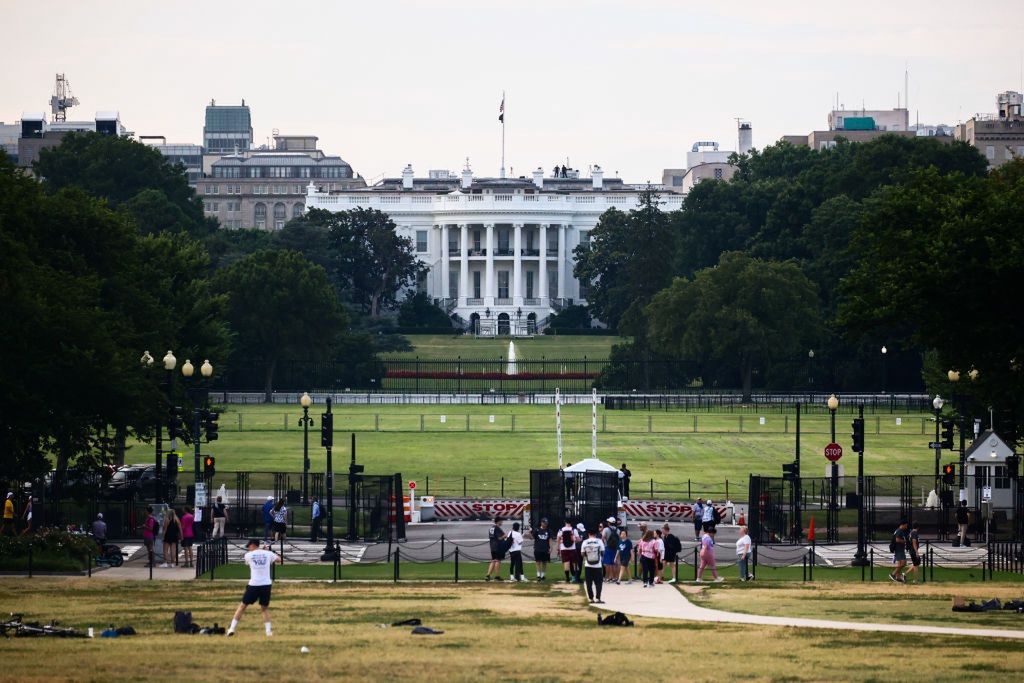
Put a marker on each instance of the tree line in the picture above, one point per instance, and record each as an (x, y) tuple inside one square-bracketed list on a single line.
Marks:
[(796, 273)]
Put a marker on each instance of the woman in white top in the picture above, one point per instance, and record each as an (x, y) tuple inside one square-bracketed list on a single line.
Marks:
[(515, 555)]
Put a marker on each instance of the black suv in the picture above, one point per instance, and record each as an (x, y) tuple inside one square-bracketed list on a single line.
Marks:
[(140, 481)]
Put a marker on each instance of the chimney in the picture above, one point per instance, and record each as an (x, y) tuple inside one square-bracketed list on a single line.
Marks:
[(467, 177), (407, 176), (597, 175), (538, 178), (746, 134)]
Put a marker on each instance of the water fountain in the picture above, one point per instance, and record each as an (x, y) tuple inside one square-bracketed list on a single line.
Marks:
[(511, 370)]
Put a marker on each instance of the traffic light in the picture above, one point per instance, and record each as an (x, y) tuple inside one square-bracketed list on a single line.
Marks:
[(946, 438), (210, 418), (790, 470), (209, 466), (1013, 466), (858, 435), (176, 424), (327, 430), (949, 473)]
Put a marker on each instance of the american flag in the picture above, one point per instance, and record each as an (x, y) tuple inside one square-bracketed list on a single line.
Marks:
[(501, 110)]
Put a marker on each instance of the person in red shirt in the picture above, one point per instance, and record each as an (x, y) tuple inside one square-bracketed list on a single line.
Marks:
[(150, 528), (188, 535)]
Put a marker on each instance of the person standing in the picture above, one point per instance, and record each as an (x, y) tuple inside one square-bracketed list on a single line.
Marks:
[(963, 519), (220, 517), (314, 521), (626, 474), (496, 541), (592, 550), (625, 556), (708, 516), (28, 517), (647, 550), (914, 549), (99, 531), (567, 550), (280, 516), (150, 529), (188, 535), (743, 546), (673, 546), (268, 517), (707, 556), (698, 518), (899, 551), (610, 540), (259, 586), (659, 556), (8, 527), (541, 548), (515, 555), (172, 536)]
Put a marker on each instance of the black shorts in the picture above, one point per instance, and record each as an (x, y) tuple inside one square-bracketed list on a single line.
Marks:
[(279, 527), (254, 593), (541, 557), (916, 559), (669, 559), (187, 542), (497, 554)]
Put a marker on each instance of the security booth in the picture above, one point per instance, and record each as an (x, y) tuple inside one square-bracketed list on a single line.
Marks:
[(990, 489), (593, 491), (547, 498)]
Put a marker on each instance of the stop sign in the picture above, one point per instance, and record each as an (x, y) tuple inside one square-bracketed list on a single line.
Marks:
[(833, 452), (412, 486)]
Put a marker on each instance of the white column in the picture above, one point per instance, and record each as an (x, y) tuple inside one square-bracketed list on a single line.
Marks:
[(561, 261), (517, 265), (464, 266), (491, 286), (542, 274), (445, 265)]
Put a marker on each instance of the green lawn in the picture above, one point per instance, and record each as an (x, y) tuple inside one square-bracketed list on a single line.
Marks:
[(681, 462), (541, 346)]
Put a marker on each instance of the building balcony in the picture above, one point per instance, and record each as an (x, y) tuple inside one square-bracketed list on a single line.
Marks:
[(528, 301), (475, 302), (503, 301), (530, 252), (478, 252), (503, 251)]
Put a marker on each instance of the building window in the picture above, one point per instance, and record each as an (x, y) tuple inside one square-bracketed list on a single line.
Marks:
[(453, 284), (260, 215), (1002, 477), (305, 172), (553, 239), (476, 242), (279, 215), (298, 189), (476, 284), (990, 152), (296, 210), (209, 189), (529, 284), (1009, 153), (421, 241), (585, 239), (718, 174), (502, 284), (552, 283), (216, 189), (677, 181), (255, 172)]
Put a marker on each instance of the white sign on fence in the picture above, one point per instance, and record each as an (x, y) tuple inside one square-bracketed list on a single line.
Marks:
[(490, 418), (760, 420), (444, 418), (899, 421), (200, 494)]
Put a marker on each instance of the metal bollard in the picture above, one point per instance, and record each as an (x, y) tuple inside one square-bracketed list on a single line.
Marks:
[(456, 564), (397, 552), (695, 560), (442, 547)]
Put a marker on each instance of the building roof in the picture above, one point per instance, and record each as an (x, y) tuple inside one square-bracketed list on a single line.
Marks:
[(280, 159), (446, 185), (983, 444)]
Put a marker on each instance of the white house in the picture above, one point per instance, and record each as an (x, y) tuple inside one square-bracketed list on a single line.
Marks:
[(500, 250)]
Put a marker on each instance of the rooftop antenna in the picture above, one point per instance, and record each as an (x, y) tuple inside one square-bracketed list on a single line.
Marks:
[(62, 99), (906, 88)]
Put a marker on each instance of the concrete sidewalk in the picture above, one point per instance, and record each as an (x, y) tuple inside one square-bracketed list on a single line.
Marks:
[(666, 602)]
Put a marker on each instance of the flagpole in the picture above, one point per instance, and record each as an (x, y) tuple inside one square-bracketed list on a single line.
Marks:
[(502, 133)]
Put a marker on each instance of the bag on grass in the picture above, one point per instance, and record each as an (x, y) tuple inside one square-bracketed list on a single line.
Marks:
[(616, 619), (182, 622)]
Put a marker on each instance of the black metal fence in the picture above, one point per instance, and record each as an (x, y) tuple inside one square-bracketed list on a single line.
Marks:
[(211, 554)]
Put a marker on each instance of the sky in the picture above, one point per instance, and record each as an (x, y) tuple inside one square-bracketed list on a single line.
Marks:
[(626, 85)]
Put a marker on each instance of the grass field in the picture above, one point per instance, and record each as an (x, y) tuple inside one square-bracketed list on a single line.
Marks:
[(491, 631), (471, 348), (680, 461)]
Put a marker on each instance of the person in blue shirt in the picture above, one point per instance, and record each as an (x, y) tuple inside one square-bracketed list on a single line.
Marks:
[(625, 556), (268, 517), (314, 516)]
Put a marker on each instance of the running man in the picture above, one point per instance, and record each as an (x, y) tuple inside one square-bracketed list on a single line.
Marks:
[(259, 562)]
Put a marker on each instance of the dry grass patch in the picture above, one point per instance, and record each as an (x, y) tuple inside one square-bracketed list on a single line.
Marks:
[(491, 631)]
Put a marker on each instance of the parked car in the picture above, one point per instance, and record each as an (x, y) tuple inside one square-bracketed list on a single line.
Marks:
[(79, 482), (140, 481)]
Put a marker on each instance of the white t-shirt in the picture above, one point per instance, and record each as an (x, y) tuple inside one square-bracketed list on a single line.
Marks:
[(709, 513), (517, 541), (561, 538), (660, 542), (259, 562), (591, 548), (743, 545)]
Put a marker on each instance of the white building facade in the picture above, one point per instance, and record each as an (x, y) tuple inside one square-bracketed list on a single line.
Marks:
[(499, 251)]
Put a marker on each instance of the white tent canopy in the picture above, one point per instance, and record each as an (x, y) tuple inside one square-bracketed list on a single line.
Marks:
[(591, 465)]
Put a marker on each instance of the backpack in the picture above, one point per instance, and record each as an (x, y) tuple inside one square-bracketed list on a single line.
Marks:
[(593, 553), (716, 517), (567, 539), (617, 619), (182, 622), (613, 539)]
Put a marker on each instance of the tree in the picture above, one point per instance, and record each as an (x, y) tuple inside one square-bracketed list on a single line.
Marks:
[(281, 306), (420, 311), (938, 258), (740, 314), (82, 294), (368, 259), (120, 170), (628, 260)]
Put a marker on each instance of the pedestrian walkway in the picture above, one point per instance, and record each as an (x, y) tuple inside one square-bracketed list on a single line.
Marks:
[(666, 602)]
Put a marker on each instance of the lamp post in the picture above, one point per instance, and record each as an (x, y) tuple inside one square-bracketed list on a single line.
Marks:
[(885, 368), (937, 404), (958, 401), (306, 421), (810, 373), (833, 527), (327, 441), (198, 395), (170, 362)]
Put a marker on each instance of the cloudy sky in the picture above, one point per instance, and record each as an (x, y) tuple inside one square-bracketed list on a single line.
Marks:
[(627, 85)]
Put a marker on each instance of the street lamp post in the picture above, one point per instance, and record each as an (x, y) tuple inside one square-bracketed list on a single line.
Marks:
[(306, 421), (860, 558), (170, 362), (199, 400), (833, 527), (810, 372), (885, 369), (958, 405), (937, 404)]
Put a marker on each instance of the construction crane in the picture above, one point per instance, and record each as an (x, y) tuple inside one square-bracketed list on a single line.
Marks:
[(62, 99)]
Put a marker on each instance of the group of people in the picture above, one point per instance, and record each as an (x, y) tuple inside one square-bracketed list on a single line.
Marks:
[(905, 543), (275, 519), (10, 518), (176, 532)]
